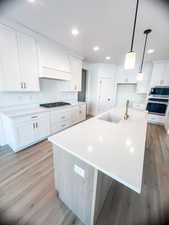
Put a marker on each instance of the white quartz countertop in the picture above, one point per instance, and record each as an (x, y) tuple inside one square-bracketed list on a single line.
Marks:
[(116, 149), (33, 110)]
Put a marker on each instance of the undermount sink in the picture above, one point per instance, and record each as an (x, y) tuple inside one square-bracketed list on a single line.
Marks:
[(111, 117)]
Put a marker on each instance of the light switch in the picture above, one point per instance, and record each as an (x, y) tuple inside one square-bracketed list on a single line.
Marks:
[(79, 171)]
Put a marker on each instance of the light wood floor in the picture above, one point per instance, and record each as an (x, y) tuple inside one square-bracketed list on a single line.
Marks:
[(27, 192)]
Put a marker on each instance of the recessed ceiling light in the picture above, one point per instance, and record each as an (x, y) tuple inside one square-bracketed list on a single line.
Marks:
[(150, 51), (96, 48), (31, 1), (108, 57), (75, 32)]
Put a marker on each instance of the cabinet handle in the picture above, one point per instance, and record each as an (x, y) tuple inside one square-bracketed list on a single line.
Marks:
[(36, 125), (33, 125), (63, 117), (24, 85), (34, 117), (21, 84)]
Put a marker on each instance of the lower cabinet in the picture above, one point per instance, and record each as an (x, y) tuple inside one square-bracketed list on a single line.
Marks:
[(61, 119), (26, 130)]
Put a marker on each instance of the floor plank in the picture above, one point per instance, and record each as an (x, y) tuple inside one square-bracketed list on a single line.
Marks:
[(28, 196)]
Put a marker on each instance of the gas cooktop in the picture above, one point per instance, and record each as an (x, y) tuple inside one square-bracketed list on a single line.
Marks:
[(54, 104)]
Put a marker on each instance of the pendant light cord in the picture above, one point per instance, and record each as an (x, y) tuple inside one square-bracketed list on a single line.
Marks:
[(146, 32), (145, 44), (134, 27)]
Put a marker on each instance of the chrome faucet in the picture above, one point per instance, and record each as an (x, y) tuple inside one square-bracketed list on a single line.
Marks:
[(126, 115)]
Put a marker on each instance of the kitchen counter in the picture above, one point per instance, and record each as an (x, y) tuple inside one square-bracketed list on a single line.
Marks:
[(90, 155), (117, 149), (33, 110)]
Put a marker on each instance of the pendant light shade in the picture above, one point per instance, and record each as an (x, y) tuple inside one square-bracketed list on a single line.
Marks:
[(140, 75), (130, 59)]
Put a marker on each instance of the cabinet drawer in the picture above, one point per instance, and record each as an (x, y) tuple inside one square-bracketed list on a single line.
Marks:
[(60, 125), (60, 115), (31, 117), (156, 119)]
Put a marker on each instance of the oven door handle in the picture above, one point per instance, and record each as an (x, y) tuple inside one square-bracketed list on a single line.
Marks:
[(162, 103)]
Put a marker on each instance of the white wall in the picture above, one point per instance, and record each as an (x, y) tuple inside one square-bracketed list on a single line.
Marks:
[(123, 92), (51, 91), (95, 71)]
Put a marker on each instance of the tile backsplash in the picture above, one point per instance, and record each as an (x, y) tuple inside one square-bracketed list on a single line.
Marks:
[(50, 91)]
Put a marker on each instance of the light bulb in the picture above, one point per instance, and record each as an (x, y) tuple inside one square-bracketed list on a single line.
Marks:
[(130, 60), (140, 76), (75, 32), (96, 48)]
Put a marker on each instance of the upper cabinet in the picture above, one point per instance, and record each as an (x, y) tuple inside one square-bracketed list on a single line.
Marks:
[(28, 62), (143, 86), (126, 76), (9, 60), (18, 61), (76, 72), (54, 62), (160, 74)]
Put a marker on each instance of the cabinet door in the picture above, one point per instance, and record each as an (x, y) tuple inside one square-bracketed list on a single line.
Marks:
[(75, 114), (25, 134), (157, 75), (126, 76), (82, 112), (42, 128), (28, 62), (76, 71), (9, 62), (166, 74)]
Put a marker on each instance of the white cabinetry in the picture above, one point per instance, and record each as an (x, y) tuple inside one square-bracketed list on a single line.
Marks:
[(18, 61), (76, 72), (144, 85), (78, 113), (28, 62), (61, 119), (23, 131), (26, 130), (160, 74), (126, 76), (54, 62), (9, 60)]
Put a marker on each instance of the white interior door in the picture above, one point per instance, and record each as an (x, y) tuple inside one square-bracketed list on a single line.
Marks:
[(106, 93)]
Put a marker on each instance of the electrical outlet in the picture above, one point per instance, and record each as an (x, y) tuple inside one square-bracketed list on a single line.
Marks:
[(79, 171)]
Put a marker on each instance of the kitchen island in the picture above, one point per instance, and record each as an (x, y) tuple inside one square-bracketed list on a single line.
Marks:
[(89, 155)]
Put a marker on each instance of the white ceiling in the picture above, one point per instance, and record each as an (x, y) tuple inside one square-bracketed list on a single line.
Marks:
[(107, 23)]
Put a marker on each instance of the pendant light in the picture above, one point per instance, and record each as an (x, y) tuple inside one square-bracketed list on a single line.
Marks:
[(140, 74), (131, 55)]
